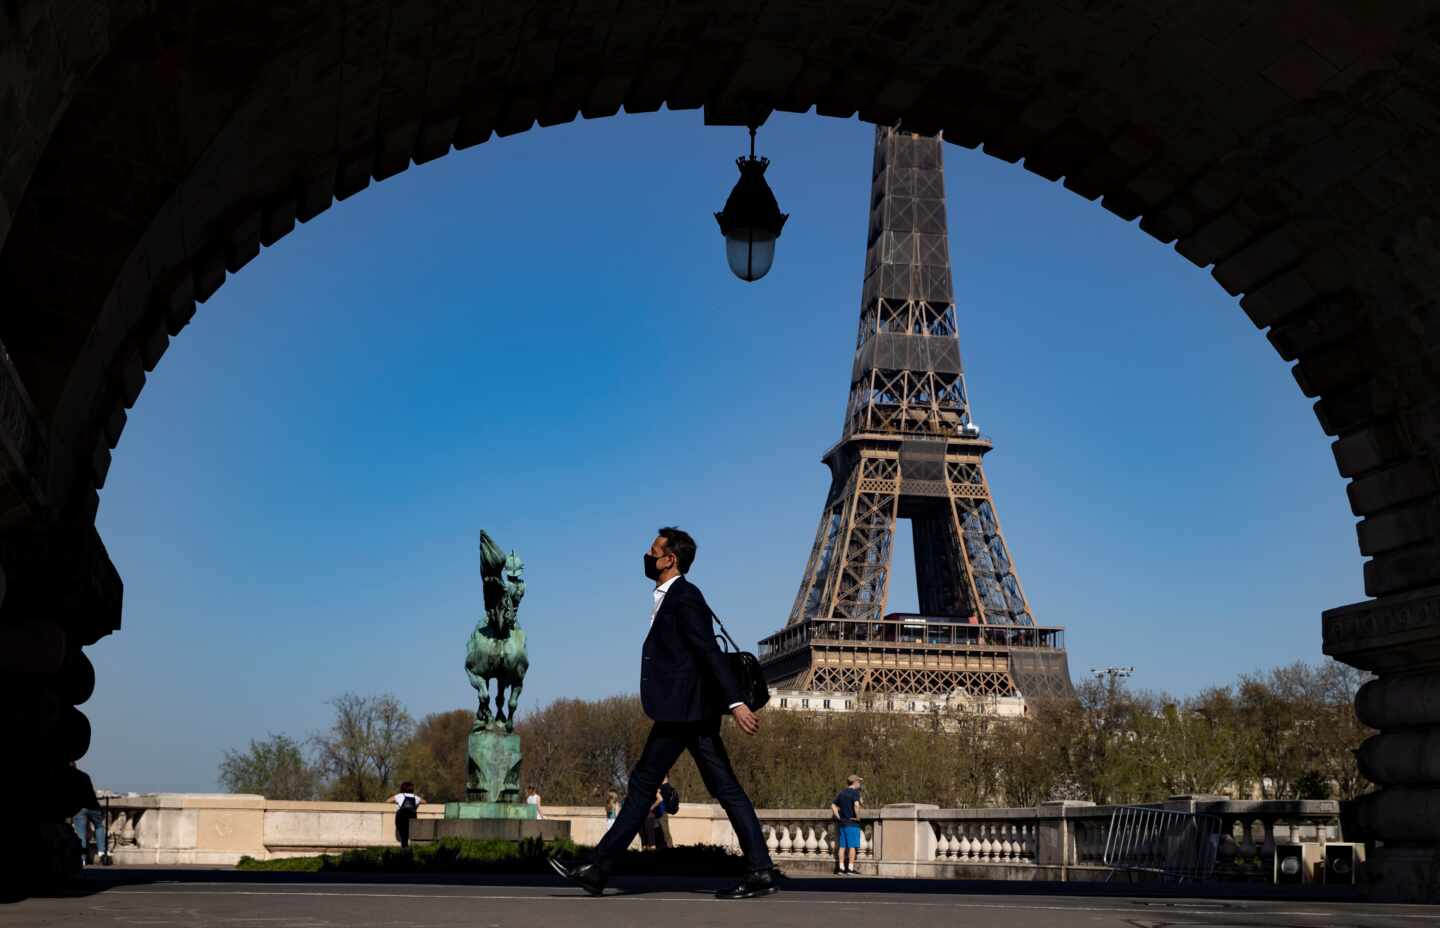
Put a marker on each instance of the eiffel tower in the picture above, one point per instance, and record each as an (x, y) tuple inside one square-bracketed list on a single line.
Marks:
[(910, 450)]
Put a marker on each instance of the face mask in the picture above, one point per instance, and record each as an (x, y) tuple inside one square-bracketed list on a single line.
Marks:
[(652, 571)]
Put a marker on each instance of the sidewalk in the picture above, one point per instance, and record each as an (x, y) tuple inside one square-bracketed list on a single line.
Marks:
[(125, 896)]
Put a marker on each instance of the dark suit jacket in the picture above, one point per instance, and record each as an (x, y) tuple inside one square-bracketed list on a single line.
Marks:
[(684, 676)]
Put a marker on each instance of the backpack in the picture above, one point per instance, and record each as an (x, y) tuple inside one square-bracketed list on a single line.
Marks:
[(672, 801), (407, 806)]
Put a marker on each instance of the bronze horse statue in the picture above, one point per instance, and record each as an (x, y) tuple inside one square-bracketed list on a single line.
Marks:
[(496, 650)]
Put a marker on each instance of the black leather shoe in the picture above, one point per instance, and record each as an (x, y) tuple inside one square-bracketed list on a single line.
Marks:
[(756, 883), (589, 878)]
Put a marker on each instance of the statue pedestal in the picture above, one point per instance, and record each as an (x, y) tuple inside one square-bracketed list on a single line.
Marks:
[(489, 821), (494, 810), (492, 768), (520, 811)]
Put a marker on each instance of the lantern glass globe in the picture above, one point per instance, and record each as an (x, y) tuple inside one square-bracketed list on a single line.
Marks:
[(750, 252)]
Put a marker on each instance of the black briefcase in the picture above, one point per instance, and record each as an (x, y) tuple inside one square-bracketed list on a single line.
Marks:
[(746, 668)]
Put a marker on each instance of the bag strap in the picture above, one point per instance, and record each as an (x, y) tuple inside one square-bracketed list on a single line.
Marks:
[(733, 646)]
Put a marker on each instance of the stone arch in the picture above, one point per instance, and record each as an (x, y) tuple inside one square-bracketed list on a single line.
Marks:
[(1291, 150)]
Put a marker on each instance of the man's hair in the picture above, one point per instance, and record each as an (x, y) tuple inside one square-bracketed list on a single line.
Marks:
[(679, 543), (407, 787), (853, 778)]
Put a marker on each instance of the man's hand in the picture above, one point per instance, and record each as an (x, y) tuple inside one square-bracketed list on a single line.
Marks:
[(746, 719)]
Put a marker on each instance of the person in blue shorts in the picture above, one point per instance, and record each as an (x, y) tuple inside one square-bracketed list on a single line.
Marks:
[(847, 808)]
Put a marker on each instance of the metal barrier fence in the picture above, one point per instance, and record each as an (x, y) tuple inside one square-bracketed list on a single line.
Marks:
[(1173, 844)]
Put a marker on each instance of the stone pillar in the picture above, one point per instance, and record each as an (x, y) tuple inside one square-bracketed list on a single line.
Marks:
[(1398, 639), (60, 594), (1056, 841), (904, 838)]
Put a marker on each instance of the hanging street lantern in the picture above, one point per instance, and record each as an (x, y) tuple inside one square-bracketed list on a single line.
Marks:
[(751, 220)]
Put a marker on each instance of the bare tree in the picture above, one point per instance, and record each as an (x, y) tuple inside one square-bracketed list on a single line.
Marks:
[(363, 745), (391, 730)]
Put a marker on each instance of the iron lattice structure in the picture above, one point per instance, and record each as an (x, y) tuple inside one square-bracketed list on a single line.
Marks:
[(910, 450)]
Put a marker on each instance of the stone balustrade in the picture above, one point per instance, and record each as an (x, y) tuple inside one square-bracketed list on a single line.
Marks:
[(805, 836), (187, 828), (1054, 841)]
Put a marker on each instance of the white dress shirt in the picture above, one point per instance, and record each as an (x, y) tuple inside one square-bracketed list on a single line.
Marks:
[(660, 592)]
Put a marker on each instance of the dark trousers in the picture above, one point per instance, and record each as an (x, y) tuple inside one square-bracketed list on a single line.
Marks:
[(662, 749), (402, 827), (655, 832)]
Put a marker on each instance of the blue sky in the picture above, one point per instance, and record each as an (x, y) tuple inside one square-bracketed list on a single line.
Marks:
[(539, 336)]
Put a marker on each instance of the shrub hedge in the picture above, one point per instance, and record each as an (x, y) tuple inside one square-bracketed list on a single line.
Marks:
[(461, 855)]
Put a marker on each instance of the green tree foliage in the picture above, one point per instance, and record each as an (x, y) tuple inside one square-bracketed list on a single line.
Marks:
[(434, 759), (1288, 733), (275, 768)]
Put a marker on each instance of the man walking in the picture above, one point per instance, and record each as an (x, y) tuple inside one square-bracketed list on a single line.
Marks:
[(847, 808), (686, 686)]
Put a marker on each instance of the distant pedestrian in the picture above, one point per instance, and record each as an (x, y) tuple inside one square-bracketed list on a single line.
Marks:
[(655, 830), (407, 806), (669, 805), (533, 799), (90, 824), (612, 808), (847, 808)]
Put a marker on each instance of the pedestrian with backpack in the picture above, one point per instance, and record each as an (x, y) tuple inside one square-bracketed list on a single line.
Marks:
[(656, 830), (407, 806), (670, 804)]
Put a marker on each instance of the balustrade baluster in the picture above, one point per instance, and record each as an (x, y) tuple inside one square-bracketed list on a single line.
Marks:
[(785, 843), (772, 842), (1247, 842), (812, 846)]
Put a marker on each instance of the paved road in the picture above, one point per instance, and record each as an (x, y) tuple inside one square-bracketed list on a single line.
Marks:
[(206, 899)]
